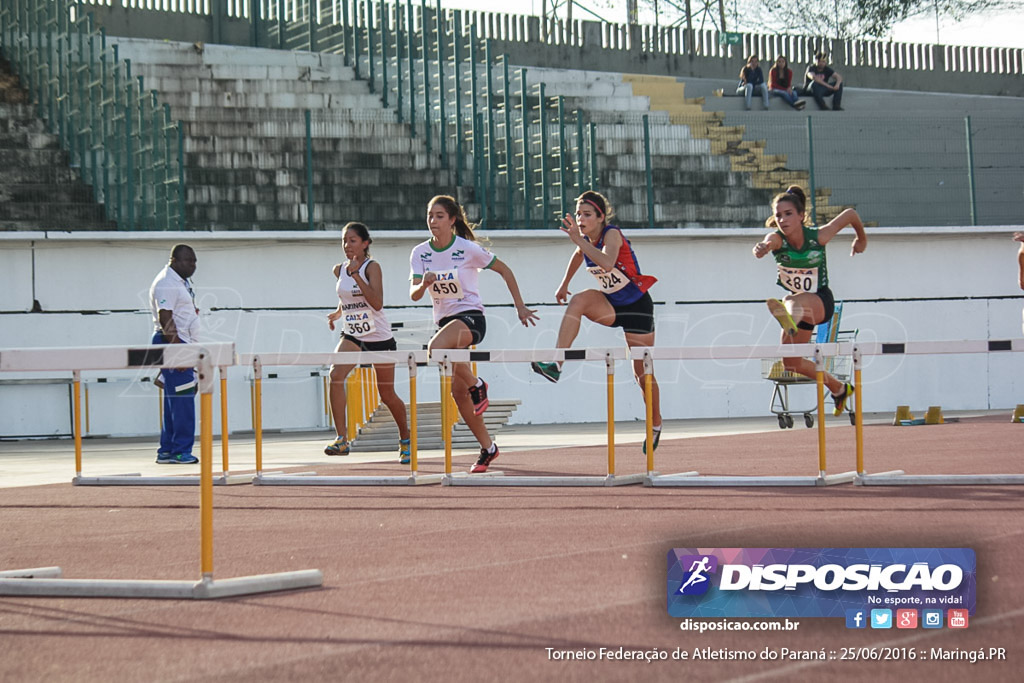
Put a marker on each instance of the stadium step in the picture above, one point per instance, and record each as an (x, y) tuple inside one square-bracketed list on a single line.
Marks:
[(381, 433)]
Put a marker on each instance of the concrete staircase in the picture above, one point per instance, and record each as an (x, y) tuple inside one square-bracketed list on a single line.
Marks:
[(38, 188), (380, 433), (769, 172), (704, 173), (245, 143)]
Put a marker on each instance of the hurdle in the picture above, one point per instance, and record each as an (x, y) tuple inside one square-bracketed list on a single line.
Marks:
[(446, 357), (820, 352), (112, 358), (898, 477), (412, 359), (135, 479), (47, 581)]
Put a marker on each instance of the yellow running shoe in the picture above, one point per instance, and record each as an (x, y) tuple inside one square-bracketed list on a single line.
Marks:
[(842, 398), (779, 312)]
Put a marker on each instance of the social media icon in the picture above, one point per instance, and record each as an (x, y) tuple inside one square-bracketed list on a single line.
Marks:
[(931, 618), (957, 618), (856, 618), (906, 618), (881, 618)]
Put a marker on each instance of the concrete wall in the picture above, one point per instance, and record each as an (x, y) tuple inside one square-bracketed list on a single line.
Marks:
[(270, 292)]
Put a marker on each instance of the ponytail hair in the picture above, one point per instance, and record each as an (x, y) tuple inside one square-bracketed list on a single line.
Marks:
[(463, 228), (361, 230), (599, 202), (794, 194)]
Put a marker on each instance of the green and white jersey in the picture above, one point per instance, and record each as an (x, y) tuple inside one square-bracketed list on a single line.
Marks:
[(805, 269), (457, 268)]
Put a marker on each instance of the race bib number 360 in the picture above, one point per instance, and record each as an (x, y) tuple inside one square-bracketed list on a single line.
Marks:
[(799, 280), (359, 322), (610, 280), (447, 285)]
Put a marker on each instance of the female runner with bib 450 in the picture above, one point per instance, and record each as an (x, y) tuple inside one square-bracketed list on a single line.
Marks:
[(621, 299), (799, 253), (447, 266), (365, 328)]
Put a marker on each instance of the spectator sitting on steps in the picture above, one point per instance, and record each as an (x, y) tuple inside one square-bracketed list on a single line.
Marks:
[(751, 79), (780, 83), (822, 81)]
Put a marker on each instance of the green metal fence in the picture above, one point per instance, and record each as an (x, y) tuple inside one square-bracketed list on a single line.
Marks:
[(125, 145)]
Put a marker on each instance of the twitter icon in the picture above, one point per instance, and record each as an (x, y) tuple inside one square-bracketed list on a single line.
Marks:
[(881, 618)]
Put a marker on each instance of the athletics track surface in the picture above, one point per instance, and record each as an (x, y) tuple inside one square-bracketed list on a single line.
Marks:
[(473, 584)]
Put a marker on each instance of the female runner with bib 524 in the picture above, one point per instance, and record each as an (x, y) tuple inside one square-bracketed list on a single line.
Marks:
[(447, 266), (621, 299), (364, 328), (799, 253)]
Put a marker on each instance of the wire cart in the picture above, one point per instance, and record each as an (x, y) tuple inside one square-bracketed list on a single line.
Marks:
[(840, 367)]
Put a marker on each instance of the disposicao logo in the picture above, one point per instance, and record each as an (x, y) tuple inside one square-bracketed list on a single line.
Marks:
[(697, 579), (818, 582)]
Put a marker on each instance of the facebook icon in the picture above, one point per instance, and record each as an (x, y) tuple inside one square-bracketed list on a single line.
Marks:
[(856, 618)]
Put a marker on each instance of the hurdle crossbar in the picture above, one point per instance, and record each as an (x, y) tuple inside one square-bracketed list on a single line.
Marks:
[(179, 355), (899, 477), (693, 479), (412, 359), (446, 358)]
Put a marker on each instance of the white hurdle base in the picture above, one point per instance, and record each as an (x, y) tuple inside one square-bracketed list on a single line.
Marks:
[(898, 478), (687, 479), (35, 573), (650, 477), (312, 479), (175, 590), (497, 478), (136, 479)]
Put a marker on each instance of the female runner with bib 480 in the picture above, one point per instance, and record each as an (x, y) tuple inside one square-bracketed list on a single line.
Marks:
[(447, 266), (621, 299), (365, 328), (799, 253)]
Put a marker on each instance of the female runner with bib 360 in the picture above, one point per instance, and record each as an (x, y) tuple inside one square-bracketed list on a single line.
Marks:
[(799, 253), (621, 299), (447, 266), (365, 328)]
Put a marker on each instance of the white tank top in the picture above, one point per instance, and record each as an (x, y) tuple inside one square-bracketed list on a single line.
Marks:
[(359, 319)]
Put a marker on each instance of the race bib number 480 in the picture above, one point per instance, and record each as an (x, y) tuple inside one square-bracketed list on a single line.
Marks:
[(610, 280), (799, 280), (447, 285)]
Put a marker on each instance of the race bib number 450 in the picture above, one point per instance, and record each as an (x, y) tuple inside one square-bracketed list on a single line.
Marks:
[(799, 280), (447, 285), (610, 280)]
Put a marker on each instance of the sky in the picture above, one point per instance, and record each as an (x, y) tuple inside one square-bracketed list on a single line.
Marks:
[(993, 30)]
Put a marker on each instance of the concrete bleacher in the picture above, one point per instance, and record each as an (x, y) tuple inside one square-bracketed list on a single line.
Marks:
[(37, 185), (245, 141), (918, 139), (713, 164)]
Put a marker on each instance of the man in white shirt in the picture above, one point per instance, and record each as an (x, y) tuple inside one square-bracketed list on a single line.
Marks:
[(176, 320)]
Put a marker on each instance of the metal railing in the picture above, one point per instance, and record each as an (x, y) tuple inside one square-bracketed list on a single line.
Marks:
[(118, 136)]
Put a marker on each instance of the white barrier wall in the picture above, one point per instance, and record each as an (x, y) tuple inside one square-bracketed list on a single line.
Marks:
[(270, 292)]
